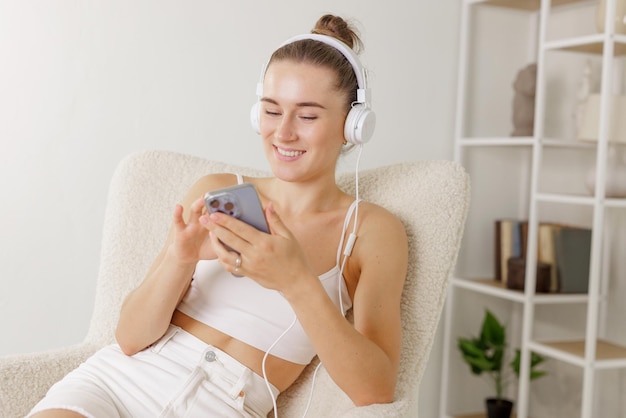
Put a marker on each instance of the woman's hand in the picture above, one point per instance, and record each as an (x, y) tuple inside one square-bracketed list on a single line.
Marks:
[(191, 242), (274, 260)]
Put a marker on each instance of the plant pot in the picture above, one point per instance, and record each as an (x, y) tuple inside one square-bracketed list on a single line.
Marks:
[(498, 408)]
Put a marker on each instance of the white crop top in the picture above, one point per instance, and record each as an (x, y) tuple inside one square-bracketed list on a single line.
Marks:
[(245, 310)]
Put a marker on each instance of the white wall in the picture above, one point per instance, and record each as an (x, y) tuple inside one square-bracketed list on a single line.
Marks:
[(84, 83)]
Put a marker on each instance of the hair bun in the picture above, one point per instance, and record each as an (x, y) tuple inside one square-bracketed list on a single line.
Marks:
[(337, 27)]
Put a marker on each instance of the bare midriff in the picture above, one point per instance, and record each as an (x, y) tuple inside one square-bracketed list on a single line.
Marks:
[(281, 373)]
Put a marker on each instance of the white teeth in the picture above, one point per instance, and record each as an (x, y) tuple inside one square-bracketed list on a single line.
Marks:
[(289, 153)]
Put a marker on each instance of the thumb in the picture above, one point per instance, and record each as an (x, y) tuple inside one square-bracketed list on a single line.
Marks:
[(274, 222)]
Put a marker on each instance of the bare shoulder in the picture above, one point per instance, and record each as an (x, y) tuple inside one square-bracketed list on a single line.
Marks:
[(381, 246), (379, 222)]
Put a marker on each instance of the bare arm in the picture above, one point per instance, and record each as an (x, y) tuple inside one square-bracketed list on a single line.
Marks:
[(147, 311), (362, 359)]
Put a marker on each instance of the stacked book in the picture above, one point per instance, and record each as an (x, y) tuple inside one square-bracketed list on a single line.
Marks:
[(563, 255)]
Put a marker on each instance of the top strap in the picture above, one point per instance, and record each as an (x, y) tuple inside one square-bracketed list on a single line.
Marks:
[(346, 222)]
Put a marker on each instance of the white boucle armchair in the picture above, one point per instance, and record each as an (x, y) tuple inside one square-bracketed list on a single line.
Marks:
[(430, 197)]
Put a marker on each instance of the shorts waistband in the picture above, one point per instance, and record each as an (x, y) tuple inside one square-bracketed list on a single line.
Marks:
[(209, 354)]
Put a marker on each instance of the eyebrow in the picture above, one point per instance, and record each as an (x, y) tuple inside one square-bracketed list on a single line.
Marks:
[(300, 104)]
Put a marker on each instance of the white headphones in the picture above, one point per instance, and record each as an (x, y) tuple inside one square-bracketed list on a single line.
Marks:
[(360, 121)]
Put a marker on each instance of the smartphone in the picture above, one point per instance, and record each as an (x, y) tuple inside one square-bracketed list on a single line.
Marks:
[(240, 201)]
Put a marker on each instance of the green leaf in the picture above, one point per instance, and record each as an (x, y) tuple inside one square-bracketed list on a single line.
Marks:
[(535, 359), (479, 364), (534, 374), (497, 357), (492, 331), (469, 347)]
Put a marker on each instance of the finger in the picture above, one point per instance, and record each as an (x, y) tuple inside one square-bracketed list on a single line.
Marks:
[(237, 266), (221, 249), (177, 218), (274, 222), (230, 240), (232, 230), (226, 257), (196, 209)]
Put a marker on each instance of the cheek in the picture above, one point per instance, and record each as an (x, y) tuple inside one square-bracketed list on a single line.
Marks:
[(266, 126)]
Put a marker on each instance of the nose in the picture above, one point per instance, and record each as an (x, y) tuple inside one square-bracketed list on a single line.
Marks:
[(285, 129)]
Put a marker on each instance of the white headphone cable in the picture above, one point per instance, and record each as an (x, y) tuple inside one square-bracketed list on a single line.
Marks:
[(347, 251), (267, 382)]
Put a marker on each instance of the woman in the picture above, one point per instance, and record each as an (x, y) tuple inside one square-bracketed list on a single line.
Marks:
[(195, 340)]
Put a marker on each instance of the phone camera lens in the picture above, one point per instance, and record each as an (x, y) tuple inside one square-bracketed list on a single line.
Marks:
[(215, 204), (229, 206)]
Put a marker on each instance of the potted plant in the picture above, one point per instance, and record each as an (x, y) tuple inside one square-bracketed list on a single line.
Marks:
[(486, 354)]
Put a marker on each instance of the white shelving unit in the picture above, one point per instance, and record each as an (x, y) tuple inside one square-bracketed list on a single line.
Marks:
[(592, 351)]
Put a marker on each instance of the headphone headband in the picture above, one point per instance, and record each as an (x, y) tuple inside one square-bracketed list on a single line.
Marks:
[(363, 92)]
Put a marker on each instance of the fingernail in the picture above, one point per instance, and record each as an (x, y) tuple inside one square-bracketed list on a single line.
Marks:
[(204, 220)]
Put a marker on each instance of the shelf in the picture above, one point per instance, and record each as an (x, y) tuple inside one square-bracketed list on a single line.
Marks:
[(529, 5), (613, 202), (565, 198), (478, 415), (536, 195), (496, 141), (568, 143), (516, 141), (608, 355), (489, 287), (588, 44), (498, 289)]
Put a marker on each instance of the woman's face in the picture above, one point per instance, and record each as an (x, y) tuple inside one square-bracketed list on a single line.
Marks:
[(301, 121)]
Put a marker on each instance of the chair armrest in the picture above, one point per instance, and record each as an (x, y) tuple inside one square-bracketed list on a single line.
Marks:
[(25, 378)]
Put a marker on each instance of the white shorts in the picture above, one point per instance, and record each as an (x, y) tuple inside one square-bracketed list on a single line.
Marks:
[(178, 376)]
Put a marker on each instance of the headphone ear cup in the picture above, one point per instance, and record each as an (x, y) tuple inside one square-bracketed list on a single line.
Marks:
[(255, 117), (360, 123)]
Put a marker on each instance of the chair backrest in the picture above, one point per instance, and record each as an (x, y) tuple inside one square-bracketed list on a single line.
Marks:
[(430, 197)]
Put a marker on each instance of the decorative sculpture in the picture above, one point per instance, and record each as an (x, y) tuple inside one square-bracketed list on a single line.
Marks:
[(524, 101)]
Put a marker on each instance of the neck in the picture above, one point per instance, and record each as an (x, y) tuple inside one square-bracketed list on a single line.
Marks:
[(296, 199)]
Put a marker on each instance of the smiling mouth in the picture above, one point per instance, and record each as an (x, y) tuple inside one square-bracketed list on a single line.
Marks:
[(288, 153)]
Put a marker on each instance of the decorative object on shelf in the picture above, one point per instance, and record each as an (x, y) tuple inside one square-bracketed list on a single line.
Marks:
[(524, 101), (517, 275), (620, 16), (615, 180), (582, 95), (590, 124), (510, 240), (546, 231), (486, 354)]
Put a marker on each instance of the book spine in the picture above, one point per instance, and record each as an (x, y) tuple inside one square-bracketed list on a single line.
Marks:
[(506, 247), (497, 268), (546, 253)]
